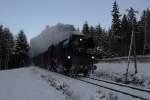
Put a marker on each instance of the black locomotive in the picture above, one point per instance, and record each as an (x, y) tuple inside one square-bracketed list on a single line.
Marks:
[(69, 57)]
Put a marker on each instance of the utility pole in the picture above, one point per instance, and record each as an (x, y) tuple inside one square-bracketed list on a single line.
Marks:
[(132, 47), (130, 50), (134, 51), (145, 32)]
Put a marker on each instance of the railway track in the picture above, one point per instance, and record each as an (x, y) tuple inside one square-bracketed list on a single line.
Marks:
[(120, 84), (142, 94)]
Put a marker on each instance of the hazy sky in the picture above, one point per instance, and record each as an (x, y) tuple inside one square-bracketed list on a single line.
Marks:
[(33, 15)]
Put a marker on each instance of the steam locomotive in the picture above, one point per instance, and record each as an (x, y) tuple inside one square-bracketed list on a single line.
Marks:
[(70, 57)]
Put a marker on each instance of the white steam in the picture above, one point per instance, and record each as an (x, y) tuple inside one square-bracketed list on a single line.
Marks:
[(49, 36)]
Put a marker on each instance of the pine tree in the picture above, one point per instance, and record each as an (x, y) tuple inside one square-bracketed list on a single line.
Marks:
[(142, 19), (21, 49), (91, 31), (1, 46), (98, 35), (147, 32), (99, 29), (131, 17), (105, 44), (8, 45), (116, 23), (133, 27), (101, 40), (115, 30), (85, 29), (140, 32), (125, 36)]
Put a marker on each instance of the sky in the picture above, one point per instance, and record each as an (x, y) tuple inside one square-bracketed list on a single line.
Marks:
[(33, 15)]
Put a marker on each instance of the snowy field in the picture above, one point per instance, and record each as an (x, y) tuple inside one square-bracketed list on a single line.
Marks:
[(38, 84), (143, 68), (113, 71)]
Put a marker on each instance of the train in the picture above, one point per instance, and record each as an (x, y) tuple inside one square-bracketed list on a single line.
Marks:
[(69, 57)]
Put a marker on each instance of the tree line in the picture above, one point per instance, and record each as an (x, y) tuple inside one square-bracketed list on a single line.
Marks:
[(115, 42), (13, 50)]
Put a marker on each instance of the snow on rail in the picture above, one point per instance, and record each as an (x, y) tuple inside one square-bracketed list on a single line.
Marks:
[(121, 84), (116, 88)]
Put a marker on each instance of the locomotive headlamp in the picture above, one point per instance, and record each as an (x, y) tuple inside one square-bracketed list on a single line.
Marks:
[(69, 57), (81, 39), (93, 57)]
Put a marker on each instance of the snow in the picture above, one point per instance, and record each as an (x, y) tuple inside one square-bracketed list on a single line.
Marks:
[(98, 96), (115, 71), (33, 83), (120, 88), (25, 84), (51, 35), (143, 68), (84, 91)]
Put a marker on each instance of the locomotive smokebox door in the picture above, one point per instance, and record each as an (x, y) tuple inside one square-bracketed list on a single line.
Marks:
[(68, 61), (69, 57)]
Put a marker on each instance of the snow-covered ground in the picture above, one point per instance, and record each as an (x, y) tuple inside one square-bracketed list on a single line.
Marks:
[(134, 92), (84, 91), (38, 84), (143, 68), (117, 69), (24, 84)]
